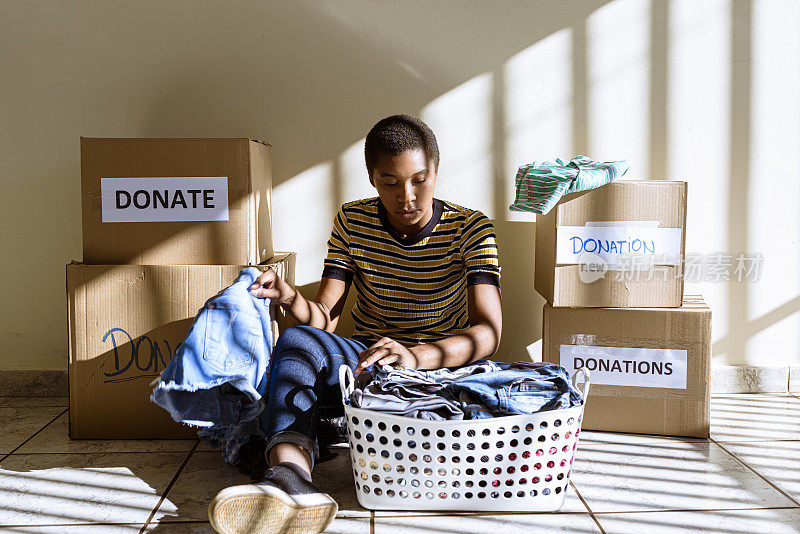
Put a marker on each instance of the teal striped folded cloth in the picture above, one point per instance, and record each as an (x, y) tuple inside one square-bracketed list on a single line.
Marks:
[(540, 185)]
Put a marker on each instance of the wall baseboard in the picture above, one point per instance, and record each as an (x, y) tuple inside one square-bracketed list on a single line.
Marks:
[(724, 379), (753, 379), (33, 383)]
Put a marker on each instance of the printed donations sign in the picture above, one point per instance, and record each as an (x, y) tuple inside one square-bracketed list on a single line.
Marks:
[(167, 199), (616, 243), (628, 366)]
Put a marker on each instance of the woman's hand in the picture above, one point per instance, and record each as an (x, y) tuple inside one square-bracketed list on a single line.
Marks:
[(384, 352), (269, 285)]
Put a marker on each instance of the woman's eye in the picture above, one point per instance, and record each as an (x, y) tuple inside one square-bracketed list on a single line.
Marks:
[(390, 184), (420, 181)]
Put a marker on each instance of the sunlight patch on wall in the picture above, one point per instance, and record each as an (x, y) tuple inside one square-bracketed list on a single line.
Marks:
[(302, 218), (538, 107), (698, 141), (773, 220), (461, 119), (618, 61)]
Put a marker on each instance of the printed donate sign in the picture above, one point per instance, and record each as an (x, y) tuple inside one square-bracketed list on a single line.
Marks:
[(626, 366), (614, 244), (169, 199)]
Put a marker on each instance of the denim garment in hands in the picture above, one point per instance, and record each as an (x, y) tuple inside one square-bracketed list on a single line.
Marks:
[(218, 377)]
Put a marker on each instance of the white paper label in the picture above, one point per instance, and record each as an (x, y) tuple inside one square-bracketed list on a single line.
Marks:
[(170, 199), (623, 246), (625, 366)]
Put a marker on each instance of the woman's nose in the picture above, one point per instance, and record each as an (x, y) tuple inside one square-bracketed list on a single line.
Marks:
[(407, 194)]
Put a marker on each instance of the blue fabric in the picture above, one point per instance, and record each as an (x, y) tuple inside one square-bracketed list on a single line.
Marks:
[(217, 379), (518, 388), (480, 390), (304, 383)]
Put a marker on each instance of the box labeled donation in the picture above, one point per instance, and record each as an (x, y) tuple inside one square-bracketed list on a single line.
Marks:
[(620, 245), (176, 201), (649, 366), (125, 324)]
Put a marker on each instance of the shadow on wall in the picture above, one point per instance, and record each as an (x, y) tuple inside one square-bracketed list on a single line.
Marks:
[(312, 78)]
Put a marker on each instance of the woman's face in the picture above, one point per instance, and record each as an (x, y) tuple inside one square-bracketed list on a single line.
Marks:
[(405, 186)]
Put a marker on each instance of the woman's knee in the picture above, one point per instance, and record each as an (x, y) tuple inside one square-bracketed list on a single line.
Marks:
[(300, 339)]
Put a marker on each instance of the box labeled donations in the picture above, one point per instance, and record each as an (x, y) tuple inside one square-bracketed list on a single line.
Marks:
[(176, 201), (620, 245), (649, 366), (125, 324)]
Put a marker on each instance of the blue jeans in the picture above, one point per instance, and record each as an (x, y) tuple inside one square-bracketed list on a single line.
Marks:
[(519, 388), (304, 384)]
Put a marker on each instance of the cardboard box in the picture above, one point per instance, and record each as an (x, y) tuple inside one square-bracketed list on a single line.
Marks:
[(125, 322), (176, 201), (620, 246), (649, 366)]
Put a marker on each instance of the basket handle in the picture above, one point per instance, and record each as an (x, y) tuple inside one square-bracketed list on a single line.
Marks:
[(584, 373), (346, 382)]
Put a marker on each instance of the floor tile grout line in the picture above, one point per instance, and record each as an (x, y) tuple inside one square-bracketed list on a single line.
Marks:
[(33, 435), (98, 452), (588, 508), (169, 487), (702, 510), (762, 477)]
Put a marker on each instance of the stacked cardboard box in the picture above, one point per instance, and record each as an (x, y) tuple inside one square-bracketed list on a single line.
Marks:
[(608, 261), (167, 223)]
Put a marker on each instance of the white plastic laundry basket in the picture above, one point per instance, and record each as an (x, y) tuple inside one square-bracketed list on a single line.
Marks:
[(511, 463)]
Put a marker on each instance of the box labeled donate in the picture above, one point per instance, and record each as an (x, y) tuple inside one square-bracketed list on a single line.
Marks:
[(125, 324), (620, 245), (649, 366), (176, 201)]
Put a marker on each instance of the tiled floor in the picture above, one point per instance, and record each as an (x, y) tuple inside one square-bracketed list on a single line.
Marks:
[(746, 478)]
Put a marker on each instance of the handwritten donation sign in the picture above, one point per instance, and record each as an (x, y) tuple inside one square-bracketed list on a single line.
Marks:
[(168, 199), (625, 366), (614, 242)]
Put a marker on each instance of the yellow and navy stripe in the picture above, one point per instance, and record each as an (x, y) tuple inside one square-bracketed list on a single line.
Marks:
[(412, 290)]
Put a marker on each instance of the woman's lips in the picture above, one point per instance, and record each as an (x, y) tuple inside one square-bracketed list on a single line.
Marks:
[(408, 214)]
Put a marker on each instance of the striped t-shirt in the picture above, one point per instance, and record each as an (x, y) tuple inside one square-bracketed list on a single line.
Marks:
[(412, 290)]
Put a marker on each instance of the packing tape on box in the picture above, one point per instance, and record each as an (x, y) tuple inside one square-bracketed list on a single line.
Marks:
[(631, 367)]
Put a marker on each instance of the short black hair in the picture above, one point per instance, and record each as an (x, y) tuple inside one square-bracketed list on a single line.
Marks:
[(396, 134)]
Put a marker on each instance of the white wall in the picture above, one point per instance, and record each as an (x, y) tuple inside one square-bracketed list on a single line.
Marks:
[(700, 91)]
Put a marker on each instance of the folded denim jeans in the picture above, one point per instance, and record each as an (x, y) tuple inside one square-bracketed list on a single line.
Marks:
[(518, 388)]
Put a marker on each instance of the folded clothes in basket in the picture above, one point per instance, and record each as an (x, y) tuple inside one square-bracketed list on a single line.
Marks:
[(480, 390)]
